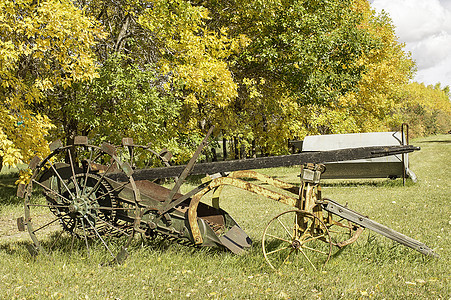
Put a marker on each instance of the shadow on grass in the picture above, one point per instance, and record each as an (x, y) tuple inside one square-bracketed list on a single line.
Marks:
[(8, 190), (433, 141), (16, 247), (369, 183)]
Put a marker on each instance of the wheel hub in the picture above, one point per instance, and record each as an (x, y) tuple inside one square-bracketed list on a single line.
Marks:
[(81, 205), (296, 244)]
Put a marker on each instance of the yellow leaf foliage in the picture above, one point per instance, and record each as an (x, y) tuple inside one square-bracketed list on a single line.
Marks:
[(388, 69), (192, 54), (43, 44)]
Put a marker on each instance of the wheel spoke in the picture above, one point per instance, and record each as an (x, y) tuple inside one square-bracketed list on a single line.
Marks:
[(286, 229), (96, 186), (296, 226), (288, 256), (314, 238), (77, 189), (87, 171), (106, 193), (49, 205), (308, 259), (278, 238), (278, 250), (61, 179), (57, 239), (73, 236), (45, 225), (315, 250), (98, 235), (50, 190), (85, 237)]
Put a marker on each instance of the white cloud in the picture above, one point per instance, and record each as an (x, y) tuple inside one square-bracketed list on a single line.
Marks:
[(432, 50), (425, 27)]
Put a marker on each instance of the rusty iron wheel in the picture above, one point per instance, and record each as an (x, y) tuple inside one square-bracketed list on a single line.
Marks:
[(296, 238), (71, 205), (343, 232)]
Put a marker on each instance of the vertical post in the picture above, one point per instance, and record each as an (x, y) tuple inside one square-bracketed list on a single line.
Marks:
[(404, 141), (310, 190), (224, 148)]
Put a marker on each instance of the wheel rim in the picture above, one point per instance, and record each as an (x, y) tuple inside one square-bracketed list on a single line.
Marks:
[(81, 207), (296, 238)]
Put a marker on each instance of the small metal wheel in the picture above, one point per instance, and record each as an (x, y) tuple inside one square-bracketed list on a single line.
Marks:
[(296, 238), (72, 205), (342, 231)]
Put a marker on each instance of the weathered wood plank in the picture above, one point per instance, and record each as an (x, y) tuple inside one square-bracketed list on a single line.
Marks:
[(270, 162)]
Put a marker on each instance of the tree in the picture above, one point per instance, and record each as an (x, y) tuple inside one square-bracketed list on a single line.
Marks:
[(305, 66), (426, 108), (161, 72), (44, 45)]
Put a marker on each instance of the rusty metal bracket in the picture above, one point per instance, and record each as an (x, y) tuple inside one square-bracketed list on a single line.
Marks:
[(256, 189), (187, 170)]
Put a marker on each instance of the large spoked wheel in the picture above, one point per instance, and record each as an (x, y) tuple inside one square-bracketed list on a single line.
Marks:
[(296, 238), (72, 205)]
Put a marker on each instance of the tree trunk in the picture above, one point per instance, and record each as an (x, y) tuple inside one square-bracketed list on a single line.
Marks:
[(254, 150), (224, 149), (235, 148), (214, 154)]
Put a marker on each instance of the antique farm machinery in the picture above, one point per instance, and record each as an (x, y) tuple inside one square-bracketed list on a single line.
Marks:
[(81, 193)]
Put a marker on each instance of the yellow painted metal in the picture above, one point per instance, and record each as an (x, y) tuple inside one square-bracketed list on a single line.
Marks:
[(261, 177), (253, 175), (308, 195), (216, 194), (221, 181)]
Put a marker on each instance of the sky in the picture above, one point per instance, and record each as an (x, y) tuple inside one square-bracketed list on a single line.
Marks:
[(425, 27)]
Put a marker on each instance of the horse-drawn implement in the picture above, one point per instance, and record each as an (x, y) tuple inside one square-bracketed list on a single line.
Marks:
[(97, 193)]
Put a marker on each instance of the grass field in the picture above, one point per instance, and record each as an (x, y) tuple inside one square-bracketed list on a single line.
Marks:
[(373, 267)]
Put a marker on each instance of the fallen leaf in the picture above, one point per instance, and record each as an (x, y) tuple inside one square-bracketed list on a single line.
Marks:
[(420, 280)]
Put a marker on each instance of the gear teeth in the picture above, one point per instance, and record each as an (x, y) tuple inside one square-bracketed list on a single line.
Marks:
[(55, 145), (81, 140), (108, 148), (34, 162), (127, 142)]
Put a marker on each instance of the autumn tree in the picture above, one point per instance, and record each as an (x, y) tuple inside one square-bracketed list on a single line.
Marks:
[(161, 68), (262, 71), (388, 68), (44, 45), (304, 60), (426, 108)]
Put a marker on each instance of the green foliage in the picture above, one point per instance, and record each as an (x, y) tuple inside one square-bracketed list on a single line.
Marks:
[(427, 109), (162, 72), (123, 102), (262, 72), (43, 45), (310, 67)]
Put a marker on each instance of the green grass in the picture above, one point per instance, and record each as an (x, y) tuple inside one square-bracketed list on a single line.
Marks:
[(373, 267)]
